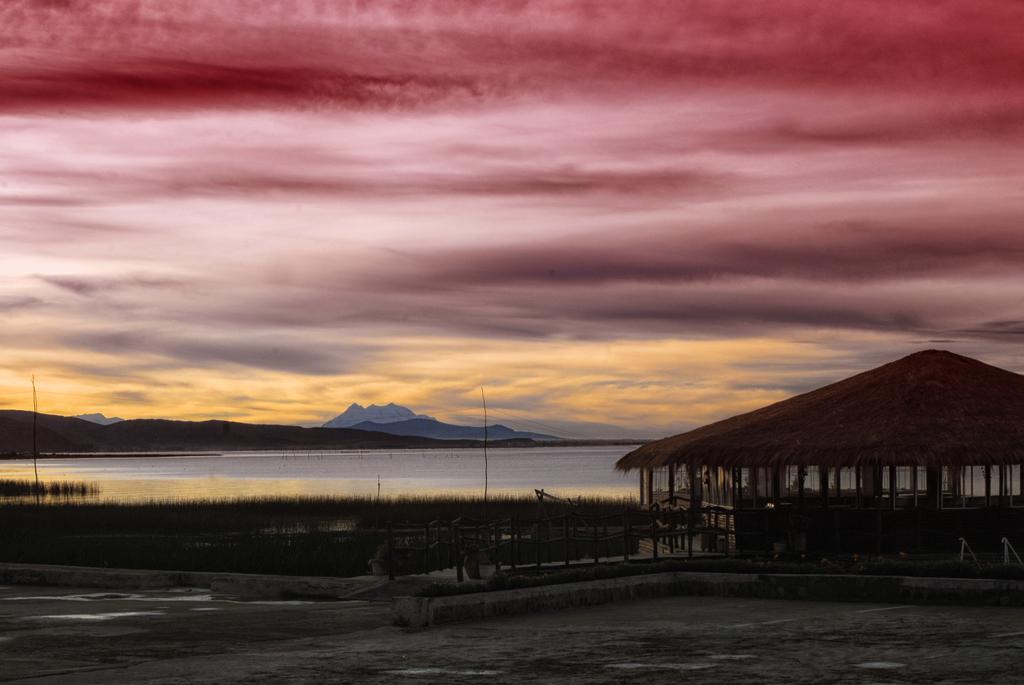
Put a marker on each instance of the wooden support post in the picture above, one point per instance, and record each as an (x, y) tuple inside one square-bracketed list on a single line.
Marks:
[(654, 538), (823, 480), (689, 536), (754, 470), (913, 481), (695, 487), (988, 486), (877, 486), (390, 553), (801, 474), (933, 487), (1009, 485), (727, 529), (1001, 490), (1002, 485), (997, 490), (650, 487), (892, 488), (671, 483), (857, 485), (960, 475)]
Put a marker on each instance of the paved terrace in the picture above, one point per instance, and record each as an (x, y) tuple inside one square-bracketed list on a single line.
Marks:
[(63, 635)]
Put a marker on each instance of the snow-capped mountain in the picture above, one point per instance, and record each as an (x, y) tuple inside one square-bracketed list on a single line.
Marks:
[(397, 420), (100, 419), (375, 413)]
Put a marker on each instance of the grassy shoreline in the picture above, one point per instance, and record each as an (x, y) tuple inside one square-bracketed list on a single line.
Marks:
[(327, 536)]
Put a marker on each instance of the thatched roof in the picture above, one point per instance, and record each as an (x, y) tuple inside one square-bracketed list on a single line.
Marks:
[(930, 408)]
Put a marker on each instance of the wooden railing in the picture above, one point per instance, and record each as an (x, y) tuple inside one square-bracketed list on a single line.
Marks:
[(566, 539)]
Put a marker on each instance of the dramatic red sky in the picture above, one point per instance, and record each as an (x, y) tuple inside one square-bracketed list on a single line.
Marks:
[(643, 213)]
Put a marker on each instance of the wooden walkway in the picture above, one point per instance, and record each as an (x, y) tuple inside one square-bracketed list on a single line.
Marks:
[(564, 541)]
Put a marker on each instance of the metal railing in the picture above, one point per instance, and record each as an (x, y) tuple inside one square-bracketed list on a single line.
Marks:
[(965, 548), (1007, 550)]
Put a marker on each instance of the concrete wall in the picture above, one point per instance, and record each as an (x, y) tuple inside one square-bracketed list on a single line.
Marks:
[(243, 585), (84, 576), (426, 611)]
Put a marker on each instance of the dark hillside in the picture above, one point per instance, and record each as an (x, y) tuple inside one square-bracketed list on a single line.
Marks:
[(63, 434)]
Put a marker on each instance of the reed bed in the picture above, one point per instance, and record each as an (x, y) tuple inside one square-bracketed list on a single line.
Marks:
[(63, 488), (282, 535)]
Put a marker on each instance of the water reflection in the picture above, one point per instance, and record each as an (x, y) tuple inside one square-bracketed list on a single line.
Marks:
[(566, 471)]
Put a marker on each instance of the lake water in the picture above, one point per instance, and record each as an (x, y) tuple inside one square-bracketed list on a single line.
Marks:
[(563, 471)]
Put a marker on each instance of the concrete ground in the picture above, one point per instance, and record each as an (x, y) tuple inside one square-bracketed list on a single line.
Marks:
[(50, 635)]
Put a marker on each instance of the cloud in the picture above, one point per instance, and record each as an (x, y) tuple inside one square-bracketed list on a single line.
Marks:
[(215, 179), (998, 330), (91, 286), (135, 397), (152, 55), (146, 83), (14, 303), (279, 353), (39, 201), (839, 251), (995, 116), (56, 228)]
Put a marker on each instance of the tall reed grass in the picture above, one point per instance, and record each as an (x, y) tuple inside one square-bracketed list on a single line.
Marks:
[(283, 535), (63, 488)]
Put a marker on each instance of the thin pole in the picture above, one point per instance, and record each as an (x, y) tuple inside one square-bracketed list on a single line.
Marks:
[(35, 443), (483, 398)]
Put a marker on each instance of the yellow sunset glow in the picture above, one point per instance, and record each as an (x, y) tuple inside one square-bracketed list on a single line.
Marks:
[(655, 384)]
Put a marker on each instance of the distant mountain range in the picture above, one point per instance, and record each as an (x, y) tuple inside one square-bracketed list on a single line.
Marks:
[(68, 434), (397, 420)]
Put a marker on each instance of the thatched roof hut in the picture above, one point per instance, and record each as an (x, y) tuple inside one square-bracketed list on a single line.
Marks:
[(932, 408)]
